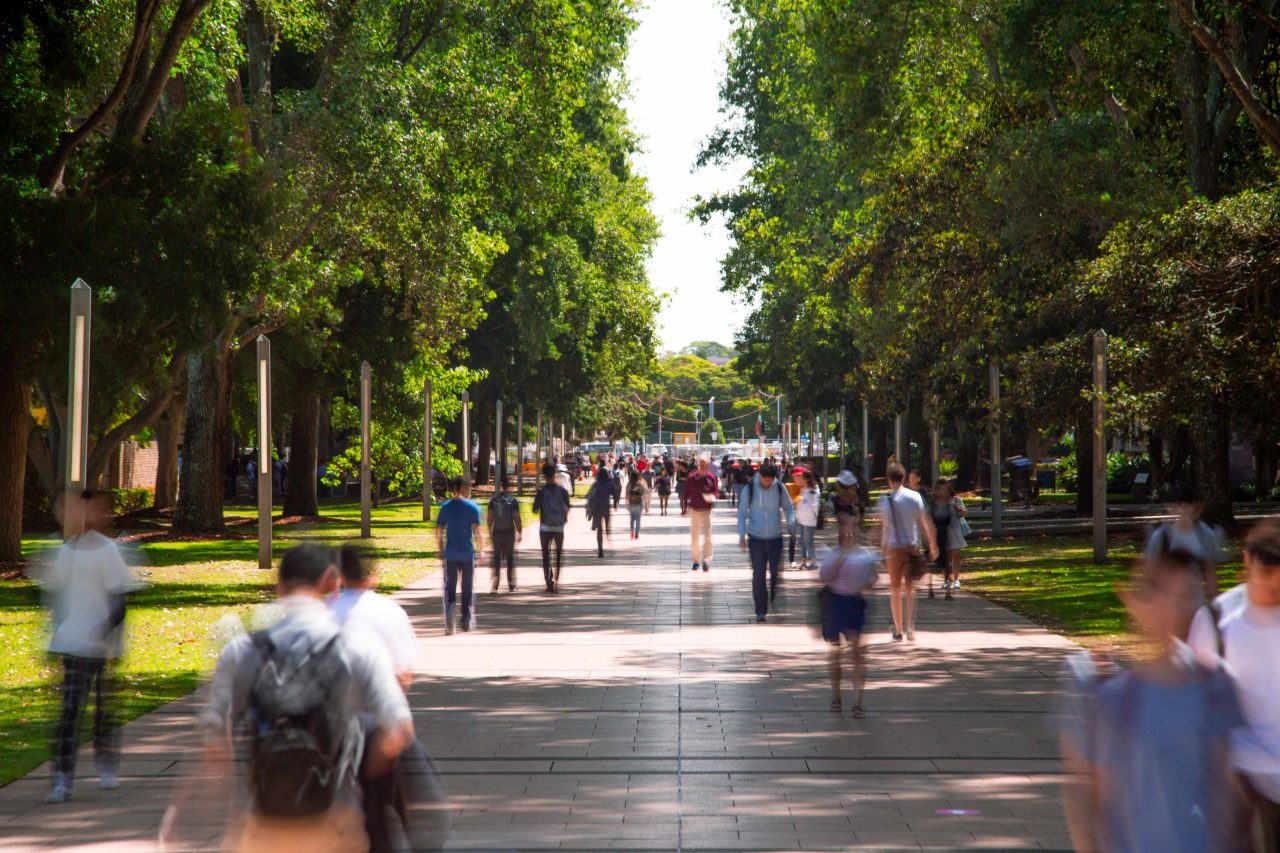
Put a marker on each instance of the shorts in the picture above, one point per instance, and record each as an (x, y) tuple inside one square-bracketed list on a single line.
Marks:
[(848, 616)]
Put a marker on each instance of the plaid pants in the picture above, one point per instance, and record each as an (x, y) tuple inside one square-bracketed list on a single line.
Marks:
[(78, 676)]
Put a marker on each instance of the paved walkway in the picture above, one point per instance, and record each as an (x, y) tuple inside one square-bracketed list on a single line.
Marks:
[(642, 708)]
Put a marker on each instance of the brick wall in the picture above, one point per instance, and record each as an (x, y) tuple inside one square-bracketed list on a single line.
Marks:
[(134, 467)]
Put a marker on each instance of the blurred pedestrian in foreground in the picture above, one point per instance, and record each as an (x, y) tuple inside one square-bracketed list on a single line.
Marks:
[(848, 571), (1147, 748), (85, 592), (294, 690), (459, 539), (1248, 639), (408, 803)]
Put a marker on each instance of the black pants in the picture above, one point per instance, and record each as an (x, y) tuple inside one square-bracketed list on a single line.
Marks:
[(504, 548), (79, 676), (547, 537), (764, 553), (453, 570)]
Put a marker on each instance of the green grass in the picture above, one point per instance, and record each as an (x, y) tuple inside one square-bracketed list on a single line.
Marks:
[(1053, 581), (169, 625)]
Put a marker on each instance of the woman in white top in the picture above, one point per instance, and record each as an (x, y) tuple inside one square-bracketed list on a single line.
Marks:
[(903, 520), (807, 520)]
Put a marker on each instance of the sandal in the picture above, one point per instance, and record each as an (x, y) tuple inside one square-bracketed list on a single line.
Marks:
[(858, 713), (835, 706)]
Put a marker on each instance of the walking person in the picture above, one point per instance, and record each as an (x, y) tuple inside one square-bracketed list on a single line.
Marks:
[(662, 483), (599, 497), (957, 530), (1186, 532), (847, 505), (551, 505), (647, 474), (764, 514), (942, 515), (505, 530), (459, 537), (904, 524), (701, 490), (807, 510), (295, 691), (85, 591), (682, 485), (848, 572), (637, 494)]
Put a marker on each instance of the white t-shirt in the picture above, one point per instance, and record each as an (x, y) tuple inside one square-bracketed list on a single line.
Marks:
[(902, 507), (1252, 639), (365, 610), (807, 508), (86, 574), (1200, 540), (1202, 638)]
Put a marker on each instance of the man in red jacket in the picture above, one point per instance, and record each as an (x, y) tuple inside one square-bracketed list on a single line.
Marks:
[(701, 490)]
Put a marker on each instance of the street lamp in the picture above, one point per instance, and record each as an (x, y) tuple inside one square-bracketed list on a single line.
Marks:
[(264, 452), (366, 501), (466, 435), (78, 397), (426, 451)]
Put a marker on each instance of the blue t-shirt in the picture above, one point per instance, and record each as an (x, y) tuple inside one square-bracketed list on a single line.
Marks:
[(457, 517)]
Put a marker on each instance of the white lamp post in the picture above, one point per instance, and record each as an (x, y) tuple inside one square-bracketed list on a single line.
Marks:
[(264, 452), (366, 474), (426, 450), (77, 471), (1099, 448)]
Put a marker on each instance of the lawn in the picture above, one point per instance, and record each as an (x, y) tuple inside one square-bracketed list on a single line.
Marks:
[(1053, 581), (192, 584)]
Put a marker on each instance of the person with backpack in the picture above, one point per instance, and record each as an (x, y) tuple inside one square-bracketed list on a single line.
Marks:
[(904, 527), (602, 493), (1147, 748), (662, 484), (763, 513), (505, 530), (1186, 532), (637, 494), (294, 691), (459, 537), (807, 510), (1247, 639), (551, 505)]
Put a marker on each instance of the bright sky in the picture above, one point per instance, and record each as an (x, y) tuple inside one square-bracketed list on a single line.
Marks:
[(675, 68)]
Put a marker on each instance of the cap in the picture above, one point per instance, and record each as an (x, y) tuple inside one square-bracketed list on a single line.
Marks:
[(846, 478)]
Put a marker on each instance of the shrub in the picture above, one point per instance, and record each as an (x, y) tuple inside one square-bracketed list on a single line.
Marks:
[(125, 501), (948, 468)]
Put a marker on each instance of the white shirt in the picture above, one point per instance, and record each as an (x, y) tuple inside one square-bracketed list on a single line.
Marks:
[(1202, 637), (902, 507), (1199, 540), (86, 574), (807, 509), (365, 610), (849, 571)]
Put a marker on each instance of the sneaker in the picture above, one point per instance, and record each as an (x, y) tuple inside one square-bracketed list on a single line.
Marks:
[(946, 584), (955, 584), (695, 567), (59, 794), (448, 628), (109, 781), (760, 617), (706, 567)]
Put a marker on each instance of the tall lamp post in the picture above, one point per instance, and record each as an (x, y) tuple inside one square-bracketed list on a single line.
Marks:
[(426, 450), (366, 485), (77, 475), (500, 468), (1099, 448), (466, 435), (520, 449), (997, 489), (264, 452)]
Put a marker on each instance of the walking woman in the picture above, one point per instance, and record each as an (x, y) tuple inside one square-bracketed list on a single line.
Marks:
[(682, 477), (904, 523), (955, 541), (848, 572), (807, 520), (662, 482), (943, 516), (599, 498), (637, 496), (848, 508)]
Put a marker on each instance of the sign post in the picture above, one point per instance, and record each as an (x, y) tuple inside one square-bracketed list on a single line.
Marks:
[(1099, 448), (426, 451), (77, 473), (264, 452), (866, 450)]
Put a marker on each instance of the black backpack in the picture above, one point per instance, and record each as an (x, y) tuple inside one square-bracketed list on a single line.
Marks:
[(299, 730), (502, 510), (552, 507)]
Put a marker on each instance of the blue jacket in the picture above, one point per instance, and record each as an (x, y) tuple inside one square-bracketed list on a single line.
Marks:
[(758, 510)]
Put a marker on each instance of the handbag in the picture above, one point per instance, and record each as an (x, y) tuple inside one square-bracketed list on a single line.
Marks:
[(825, 602), (916, 566)]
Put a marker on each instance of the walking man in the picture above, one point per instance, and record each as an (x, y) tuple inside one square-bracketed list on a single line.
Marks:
[(701, 490), (765, 511), (85, 592), (458, 538), (551, 504), (505, 530)]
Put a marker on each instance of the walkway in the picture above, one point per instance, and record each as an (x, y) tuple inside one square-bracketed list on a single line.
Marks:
[(643, 709)]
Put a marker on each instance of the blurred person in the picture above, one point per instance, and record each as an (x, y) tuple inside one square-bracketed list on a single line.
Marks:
[(295, 691), (551, 505), (388, 799), (459, 537), (807, 520), (848, 572), (741, 476), (847, 505), (85, 592), (904, 526), (602, 493), (563, 478), (505, 530), (647, 474), (1248, 639), (701, 490), (637, 493), (1147, 748), (764, 512), (1186, 532), (947, 512), (682, 481), (662, 484)]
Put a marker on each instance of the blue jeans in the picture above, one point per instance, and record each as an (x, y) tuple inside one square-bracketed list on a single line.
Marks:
[(764, 552), (466, 569), (635, 510), (807, 549)]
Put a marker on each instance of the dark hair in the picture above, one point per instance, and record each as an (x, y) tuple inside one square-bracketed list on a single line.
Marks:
[(508, 482), (353, 564), (767, 470), (1263, 542), (1184, 495), (808, 475), (305, 565), (602, 473), (455, 484), (548, 470), (1178, 563)]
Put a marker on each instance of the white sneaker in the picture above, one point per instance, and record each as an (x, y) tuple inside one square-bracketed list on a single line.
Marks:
[(109, 781), (59, 794), (955, 584)]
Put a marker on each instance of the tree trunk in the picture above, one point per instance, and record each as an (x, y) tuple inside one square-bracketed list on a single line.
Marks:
[(880, 441), (1084, 461), (967, 457), (199, 507), (168, 439), (304, 435), (1155, 454), (1210, 434), (15, 421)]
